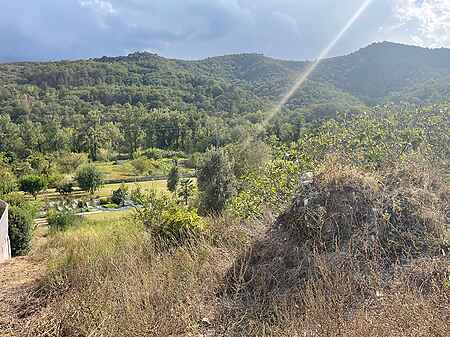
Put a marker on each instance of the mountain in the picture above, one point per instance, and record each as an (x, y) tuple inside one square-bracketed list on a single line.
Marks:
[(236, 83)]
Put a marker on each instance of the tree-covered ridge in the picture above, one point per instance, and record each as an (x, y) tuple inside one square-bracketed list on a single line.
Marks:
[(131, 103), (370, 73)]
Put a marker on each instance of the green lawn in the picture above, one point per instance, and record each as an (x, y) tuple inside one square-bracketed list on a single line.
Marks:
[(106, 190), (124, 169)]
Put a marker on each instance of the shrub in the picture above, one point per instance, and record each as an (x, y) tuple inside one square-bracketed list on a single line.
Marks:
[(21, 215), (164, 218), (89, 178), (155, 153), (33, 184), (173, 179), (54, 180), (60, 220), (65, 187), (8, 181), (141, 165), (69, 162), (178, 223), (20, 230), (186, 190), (394, 215), (120, 195), (216, 181)]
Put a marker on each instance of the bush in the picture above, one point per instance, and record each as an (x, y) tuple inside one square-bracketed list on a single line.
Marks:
[(178, 223), (60, 220), (65, 187), (7, 182), (89, 178), (216, 181), (141, 165), (32, 184), (155, 153), (21, 215), (69, 162), (395, 215), (120, 195), (164, 218), (173, 179)]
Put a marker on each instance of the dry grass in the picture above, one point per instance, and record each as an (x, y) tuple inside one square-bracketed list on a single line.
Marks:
[(362, 257)]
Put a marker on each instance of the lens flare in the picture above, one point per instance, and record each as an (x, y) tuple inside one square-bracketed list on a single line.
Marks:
[(304, 76)]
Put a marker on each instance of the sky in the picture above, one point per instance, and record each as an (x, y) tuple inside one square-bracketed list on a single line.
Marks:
[(39, 30)]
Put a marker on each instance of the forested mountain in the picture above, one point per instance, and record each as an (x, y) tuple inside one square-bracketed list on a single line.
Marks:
[(144, 100)]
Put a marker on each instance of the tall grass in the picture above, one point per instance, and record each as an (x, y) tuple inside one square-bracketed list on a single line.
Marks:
[(111, 278)]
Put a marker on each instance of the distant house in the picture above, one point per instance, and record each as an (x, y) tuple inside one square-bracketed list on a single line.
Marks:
[(5, 248)]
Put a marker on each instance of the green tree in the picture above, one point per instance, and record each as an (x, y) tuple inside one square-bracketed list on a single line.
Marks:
[(173, 178), (132, 121), (216, 181), (8, 181), (186, 190), (33, 184), (89, 178)]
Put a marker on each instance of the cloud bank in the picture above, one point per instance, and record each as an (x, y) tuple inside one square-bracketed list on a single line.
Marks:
[(426, 22), (291, 29)]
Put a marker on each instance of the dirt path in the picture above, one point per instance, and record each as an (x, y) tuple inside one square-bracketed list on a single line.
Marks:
[(19, 278)]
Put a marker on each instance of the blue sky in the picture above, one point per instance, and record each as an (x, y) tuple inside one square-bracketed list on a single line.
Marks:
[(192, 29)]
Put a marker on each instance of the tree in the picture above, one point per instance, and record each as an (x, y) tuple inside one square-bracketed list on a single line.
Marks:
[(216, 181), (33, 184), (173, 178), (89, 178), (186, 190), (132, 121), (8, 181)]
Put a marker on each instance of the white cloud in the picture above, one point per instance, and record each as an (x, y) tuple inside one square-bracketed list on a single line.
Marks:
[(100, 6), (427, 21)]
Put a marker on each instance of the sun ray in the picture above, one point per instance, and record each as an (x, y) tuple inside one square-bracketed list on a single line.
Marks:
[(323, 54)]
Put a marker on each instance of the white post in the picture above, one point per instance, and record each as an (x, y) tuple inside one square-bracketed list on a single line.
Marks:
[(5, 248)]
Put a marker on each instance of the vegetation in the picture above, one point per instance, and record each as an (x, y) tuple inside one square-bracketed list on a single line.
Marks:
[(32, 184), (328, 219), (216, 181), (89, 178), (165, 219), (65, 187), (173, 178), (186, 190), (62, 219), (21, 227), (119, 196)]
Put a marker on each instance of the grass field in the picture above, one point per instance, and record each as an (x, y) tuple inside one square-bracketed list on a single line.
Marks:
[(116, 171), (108, 217), (106, 190)]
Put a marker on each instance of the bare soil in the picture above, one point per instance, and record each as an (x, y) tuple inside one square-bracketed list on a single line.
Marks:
[(19, 280)]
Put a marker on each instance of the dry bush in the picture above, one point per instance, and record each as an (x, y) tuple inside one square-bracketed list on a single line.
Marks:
[(343, 259)]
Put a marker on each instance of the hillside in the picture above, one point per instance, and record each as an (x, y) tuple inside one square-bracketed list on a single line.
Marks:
[(225, 83), (146, 100)]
